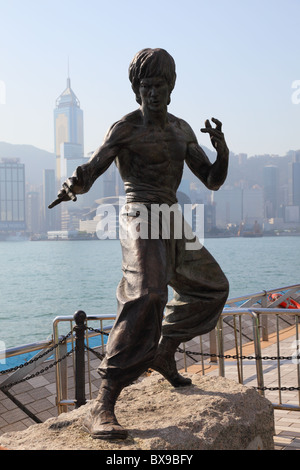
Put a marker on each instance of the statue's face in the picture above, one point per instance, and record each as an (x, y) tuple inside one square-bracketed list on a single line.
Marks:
[(154, 93)]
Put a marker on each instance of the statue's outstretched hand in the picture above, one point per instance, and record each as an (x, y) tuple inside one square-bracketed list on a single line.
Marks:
[(70, 188), (216, 135)]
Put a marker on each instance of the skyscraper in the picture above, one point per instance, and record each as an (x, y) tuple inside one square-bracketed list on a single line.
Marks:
[(68, 143), (33, 215), (294, 178), (68, 133), (271, 188), (12, 195), (229, 206), (49, 194)]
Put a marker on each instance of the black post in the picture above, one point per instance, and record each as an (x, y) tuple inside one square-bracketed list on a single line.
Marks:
[(79, 328)]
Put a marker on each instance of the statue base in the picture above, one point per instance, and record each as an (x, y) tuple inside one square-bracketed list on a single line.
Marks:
[(214, 413)]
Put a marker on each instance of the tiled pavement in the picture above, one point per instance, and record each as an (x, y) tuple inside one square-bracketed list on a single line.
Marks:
[(38, 394), (287, 422)]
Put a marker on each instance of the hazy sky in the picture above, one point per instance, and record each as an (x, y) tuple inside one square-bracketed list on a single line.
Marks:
[(236, 60)]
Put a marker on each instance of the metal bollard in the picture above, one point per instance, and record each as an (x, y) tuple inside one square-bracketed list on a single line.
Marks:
[(79, 318)]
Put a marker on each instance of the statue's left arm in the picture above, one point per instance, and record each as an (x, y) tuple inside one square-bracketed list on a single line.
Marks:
[(214, 174)]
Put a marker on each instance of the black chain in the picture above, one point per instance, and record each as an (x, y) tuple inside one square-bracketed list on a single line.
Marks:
[(100, 356), (36, 374), (96, 330), (45, 369), (236, 356), (290, 389), (31, 361)]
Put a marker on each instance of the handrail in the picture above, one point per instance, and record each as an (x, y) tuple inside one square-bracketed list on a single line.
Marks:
[(262, 310), (262, 293), (25, 348)]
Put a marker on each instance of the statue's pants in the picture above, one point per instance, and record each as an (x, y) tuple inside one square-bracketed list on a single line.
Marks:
[(150, 265)]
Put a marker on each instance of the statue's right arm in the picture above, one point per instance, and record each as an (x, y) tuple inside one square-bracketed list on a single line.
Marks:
[(85, 175)]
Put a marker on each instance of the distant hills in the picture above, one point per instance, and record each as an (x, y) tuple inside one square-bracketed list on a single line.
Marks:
[(35, 160)]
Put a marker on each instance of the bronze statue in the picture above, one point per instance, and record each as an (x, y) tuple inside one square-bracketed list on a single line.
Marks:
[(149, 147)]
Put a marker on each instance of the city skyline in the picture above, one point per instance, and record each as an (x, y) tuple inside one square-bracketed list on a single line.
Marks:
[(235, 60), (261, 191)]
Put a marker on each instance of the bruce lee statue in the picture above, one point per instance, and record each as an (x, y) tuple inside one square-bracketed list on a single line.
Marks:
[(149, 147)]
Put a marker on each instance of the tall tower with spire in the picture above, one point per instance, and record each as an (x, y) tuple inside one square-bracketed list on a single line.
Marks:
[(68, 141), (68, 132)]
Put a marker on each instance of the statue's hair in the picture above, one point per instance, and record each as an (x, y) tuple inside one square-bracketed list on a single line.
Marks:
[(150, 63)]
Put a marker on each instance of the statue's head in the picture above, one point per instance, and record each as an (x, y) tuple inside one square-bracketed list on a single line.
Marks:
[(150, 63)]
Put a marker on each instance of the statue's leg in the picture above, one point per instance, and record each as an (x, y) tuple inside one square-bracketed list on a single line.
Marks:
[(200, 293), (142, 295)]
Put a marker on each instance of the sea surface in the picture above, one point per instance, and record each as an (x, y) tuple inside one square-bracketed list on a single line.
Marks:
[(45, 279)]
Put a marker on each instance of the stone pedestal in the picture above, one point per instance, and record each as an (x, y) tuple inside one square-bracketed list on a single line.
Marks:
[(213, 414)]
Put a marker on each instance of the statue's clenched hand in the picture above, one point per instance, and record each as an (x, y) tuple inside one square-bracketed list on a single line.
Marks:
[(70, 188)]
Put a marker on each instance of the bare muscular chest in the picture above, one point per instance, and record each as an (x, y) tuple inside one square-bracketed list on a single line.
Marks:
[(157, 147)]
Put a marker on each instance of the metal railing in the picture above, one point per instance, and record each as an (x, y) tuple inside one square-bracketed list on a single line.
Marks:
[(269, 326), (53, 353), (272, 360)]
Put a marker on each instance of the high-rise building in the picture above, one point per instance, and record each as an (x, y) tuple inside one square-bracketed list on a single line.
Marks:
[(68, 132), (253, 205), (236, 205), (12, 195), (271, 189), (229, 206), (294, 178), (49, 194), (68, 140), (33, 212)]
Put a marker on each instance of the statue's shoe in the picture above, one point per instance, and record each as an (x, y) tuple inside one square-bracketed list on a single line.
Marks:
[(103, 426), (167, 368)]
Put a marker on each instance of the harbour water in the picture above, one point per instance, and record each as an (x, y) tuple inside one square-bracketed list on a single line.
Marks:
[(42, 280)]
